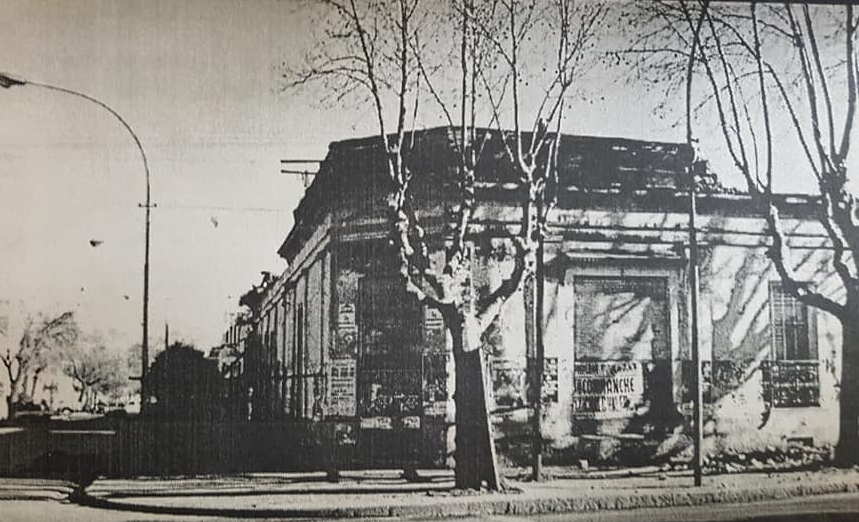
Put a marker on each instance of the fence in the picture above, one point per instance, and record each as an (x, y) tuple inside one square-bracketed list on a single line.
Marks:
[(135, 446)]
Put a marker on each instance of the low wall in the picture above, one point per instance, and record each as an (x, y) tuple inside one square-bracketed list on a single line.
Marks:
[(129, 446), (21, 447)]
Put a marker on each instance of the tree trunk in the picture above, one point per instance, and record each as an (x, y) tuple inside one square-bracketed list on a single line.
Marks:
[(22, 387), (847, 449), (15, 394), (33, 384), (476, 465)]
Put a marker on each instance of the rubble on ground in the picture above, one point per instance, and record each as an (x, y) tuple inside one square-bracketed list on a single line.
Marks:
[(770, 458)]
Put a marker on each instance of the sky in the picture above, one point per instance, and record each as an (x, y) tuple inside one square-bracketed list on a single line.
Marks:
[(198, 81)]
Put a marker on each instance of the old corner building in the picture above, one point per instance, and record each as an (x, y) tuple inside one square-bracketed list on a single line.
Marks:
[(363, 373)]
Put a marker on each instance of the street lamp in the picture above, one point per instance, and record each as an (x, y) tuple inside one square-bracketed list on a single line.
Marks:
[(7, 82)]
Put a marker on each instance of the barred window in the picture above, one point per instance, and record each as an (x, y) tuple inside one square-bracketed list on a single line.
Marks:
[(792, 377), (789, 322)]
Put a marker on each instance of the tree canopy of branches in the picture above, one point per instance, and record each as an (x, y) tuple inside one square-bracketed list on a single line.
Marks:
[(769, 71), (186, 386), (95, 371), (41, 344), (397, 54)]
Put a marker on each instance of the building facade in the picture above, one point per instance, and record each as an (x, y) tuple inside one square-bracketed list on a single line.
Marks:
[(339, 347)]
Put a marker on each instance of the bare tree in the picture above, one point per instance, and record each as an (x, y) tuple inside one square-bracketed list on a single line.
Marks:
[(38, 348), (384, 52), (95, 371), (768, 66)]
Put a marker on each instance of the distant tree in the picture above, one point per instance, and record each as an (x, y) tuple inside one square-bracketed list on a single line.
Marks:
[(42, 342), (95, 371), (131, 365), (185, 384)]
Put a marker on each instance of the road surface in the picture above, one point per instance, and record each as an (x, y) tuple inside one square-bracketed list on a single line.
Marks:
[(825, 508)]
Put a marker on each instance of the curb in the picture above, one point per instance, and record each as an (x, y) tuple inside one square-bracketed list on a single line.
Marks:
[(53, 495), (34, 490), (485, 505)]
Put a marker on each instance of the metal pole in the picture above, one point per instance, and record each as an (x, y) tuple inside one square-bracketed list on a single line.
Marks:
[(144, 352), (696, 358), (7, 81), (693, 254)]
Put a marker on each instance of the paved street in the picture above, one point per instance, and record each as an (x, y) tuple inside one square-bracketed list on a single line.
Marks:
[(828, 508)]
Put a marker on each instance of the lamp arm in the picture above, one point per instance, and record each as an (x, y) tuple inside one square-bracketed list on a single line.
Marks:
[(109, 109)]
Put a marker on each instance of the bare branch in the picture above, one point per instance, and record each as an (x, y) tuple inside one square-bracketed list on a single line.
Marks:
[(797, 126), (731, 86), (764, 105), (695, 40), (779, 254), (827, 99), (850, 60), (737, 151), (839, 242), (369, 63), (811, 91), (488, 308)]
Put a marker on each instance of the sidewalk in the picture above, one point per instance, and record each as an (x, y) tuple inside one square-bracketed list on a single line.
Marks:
[(386, 494)]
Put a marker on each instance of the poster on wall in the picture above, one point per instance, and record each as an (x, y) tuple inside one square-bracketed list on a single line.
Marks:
[(509, 387), (709, 369), (411, 422), (434, 331), (347, 331), (607, 389), (550, 379), (341, 388), (377, 423)]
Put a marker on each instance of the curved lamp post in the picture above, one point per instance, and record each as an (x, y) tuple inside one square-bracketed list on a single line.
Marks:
[(7, 82)]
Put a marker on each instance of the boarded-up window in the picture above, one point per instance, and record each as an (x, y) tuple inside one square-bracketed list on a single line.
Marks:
[(621, 318), (622, 347)]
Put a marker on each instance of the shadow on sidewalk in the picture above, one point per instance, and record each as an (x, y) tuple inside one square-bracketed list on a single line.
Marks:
[(272, 491)]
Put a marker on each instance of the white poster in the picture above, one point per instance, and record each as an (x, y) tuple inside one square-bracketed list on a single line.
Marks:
[(607, 389), (341, 387)]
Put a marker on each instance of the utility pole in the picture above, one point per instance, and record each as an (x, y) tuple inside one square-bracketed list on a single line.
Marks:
[(144, 351), (166, 336), (693, 311)]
